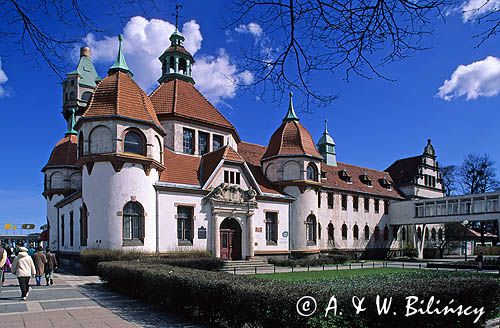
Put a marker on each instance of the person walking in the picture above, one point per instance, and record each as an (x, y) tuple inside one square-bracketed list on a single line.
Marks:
[(24, 268), (3, 259), (50, 267), (479, 261), (40, 261), (6, 268)]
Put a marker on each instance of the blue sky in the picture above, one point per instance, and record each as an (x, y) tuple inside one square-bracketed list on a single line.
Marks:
[(374, 122)]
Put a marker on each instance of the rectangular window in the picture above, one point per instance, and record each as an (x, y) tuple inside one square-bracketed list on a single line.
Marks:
[(185, 225), (226, 176), (62, 230), (71, 229), (231, 175), (83, 226), (188, 141), (355, 203), (238, 178), (492, 205), (386, 207), (344, 202), (419, 210), (218, 142), (203, 143), (429, 210), (377, 205), (271, 228), (441, 208), (319, 199), (367, 204), (452, 207), (331, 200), (465, 206)]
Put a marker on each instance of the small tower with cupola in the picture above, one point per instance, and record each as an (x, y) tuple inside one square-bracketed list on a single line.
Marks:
[(120, 151), (176, 61), (326, 147), (292, 161)]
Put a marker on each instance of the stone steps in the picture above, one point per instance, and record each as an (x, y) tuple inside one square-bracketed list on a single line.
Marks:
[(241, 265)]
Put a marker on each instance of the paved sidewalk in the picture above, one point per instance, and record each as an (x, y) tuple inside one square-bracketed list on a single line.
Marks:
[(77, 301)]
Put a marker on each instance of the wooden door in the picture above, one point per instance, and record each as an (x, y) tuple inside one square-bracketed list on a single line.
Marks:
[(225, 244)]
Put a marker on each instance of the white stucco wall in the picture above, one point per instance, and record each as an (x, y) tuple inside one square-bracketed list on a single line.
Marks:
[(65, 212)]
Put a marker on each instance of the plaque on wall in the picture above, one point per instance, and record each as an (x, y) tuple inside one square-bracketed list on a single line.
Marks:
[(258, 229), (202, 233), (284, 234)]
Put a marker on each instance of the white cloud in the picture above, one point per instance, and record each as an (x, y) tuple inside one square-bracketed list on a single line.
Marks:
[(479, 79), (145, 40), (217, 78), (473, 9), (251, 28), (3, 78)]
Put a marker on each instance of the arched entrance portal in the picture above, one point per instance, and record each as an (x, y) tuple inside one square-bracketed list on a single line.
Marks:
[(230, 239)]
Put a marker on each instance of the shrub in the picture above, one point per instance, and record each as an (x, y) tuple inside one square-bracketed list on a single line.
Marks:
[(222, 299), (335, 259), (89, 258), (204, 263)]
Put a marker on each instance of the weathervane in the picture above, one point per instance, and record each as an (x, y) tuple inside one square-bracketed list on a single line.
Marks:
[(177, 7)]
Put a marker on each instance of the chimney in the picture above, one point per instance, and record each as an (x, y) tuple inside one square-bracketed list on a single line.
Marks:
[(84, 52)]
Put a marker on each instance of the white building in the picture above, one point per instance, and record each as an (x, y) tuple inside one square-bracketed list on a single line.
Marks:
[(168, 171)]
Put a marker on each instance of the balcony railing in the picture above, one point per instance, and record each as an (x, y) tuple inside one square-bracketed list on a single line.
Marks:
[(457, 206)]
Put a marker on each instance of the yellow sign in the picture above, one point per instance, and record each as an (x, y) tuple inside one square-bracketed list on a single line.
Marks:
[(8, 226)]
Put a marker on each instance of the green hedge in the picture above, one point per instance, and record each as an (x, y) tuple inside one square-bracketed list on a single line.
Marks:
[(336, 259), (89, 258), (222, 299)]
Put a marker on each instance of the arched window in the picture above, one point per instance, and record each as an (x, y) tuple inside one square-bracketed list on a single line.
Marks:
[(433, 234), (355, 232), (376, 233), (426, 233), (319, 230), (86, 95), (344, 231), (172, 65), (311, 230), (83, 225), (440, 234), (100, 140), (134, 143), (76, 181), (367, 232), (419, 233), (312, 172), (57, 180), (160, 150), (403, 234), (330, 234), (395, 232), (133, 222), (182, 66), (386, 232)]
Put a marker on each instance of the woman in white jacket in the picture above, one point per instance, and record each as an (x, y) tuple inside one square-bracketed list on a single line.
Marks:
[(24, 268)]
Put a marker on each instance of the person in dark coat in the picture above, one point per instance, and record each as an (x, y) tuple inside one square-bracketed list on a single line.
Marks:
[(50, 267), (40, 261)]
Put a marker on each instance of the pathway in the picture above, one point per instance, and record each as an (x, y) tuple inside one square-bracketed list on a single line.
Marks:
[(77, 301)]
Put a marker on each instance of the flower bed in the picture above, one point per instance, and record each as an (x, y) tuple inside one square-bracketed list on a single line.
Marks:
[(222, 299)]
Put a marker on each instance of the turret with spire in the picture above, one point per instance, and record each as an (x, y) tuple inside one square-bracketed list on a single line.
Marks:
[(120, 64), (176, 61), (326, 147)]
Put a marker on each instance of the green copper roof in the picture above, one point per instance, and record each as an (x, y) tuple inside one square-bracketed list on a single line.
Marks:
[(120, 63), (290, 115), (71, 123), (326, 138), (86, 71)]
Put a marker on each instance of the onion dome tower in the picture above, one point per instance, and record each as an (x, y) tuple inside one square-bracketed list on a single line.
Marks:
[(326, 147), (292, 161), (120, 147)]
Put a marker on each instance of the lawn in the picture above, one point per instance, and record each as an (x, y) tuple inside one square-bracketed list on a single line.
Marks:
[(332, 274)]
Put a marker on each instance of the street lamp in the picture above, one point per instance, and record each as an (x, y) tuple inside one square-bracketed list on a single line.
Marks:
[(465, 223)]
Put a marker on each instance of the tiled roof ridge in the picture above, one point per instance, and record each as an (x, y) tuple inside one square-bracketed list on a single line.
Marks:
[(117, 88), (407, 158), (149, 110), (359, 167), (174, 96), (301, 136), (253, 143), (92, 98)]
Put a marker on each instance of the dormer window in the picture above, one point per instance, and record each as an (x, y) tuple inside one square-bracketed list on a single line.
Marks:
[(345, 176), (366, 179), (232, 177), (385, 183)]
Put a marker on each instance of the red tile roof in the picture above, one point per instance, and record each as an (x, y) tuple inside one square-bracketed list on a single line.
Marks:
[(252, 154), (291, 138), (64, 152), (210, 160), (182, 99), (119, 95), (181, 49), (333, 180), (180, 168)]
